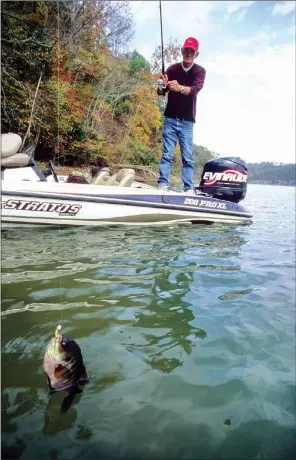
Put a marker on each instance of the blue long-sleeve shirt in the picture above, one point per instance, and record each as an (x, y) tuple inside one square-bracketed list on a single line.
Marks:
[(179, 105)]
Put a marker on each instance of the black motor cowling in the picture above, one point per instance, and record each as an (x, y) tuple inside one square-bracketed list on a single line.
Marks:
[(225, 178)]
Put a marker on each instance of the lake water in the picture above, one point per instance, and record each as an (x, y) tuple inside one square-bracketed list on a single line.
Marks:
[(187, 333)]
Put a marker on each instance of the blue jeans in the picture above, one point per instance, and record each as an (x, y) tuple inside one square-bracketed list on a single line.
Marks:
[(174, 130)]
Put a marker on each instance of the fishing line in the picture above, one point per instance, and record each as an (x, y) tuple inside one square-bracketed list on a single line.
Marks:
[(130, 125), (58, 130)]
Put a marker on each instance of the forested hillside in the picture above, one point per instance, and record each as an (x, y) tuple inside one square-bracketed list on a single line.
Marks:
[(71, 84), (272, 173)]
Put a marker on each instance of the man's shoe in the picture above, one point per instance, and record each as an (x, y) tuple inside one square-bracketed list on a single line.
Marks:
[(162, 187), (191, 191)]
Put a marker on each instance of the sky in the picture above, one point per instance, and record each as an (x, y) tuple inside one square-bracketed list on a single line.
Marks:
[(247, 105)]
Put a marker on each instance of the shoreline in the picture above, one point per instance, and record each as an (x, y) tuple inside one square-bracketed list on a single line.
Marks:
[(148, 176), (143, 174)]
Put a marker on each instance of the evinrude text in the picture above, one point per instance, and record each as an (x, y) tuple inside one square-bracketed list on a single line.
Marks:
[(229, 175)]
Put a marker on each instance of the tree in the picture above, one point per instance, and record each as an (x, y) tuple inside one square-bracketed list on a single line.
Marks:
[(67, 83), (26, 56), (119, 27), (269, 172), (171, 52), (138, 65)]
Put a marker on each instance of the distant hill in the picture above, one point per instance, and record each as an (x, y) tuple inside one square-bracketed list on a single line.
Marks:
[(258, 173), (272, 173)]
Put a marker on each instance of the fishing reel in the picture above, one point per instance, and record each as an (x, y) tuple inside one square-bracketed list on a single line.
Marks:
[(161, 84)]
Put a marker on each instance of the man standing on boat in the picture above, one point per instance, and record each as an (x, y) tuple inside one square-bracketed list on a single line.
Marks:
[(182, 81)]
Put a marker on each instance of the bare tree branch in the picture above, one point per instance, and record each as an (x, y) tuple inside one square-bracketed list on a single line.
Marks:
[(32, 111), (26, 40)]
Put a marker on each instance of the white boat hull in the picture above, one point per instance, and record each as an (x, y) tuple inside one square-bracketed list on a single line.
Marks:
[(30, 197), (89, 205)]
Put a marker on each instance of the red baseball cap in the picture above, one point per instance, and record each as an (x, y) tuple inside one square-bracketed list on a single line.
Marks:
[(191, 43)]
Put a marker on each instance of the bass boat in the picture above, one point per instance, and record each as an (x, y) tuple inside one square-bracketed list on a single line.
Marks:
[(33, 197)]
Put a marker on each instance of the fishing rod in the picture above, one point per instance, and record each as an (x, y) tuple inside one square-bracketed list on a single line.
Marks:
[(162, 58), (160, 82)]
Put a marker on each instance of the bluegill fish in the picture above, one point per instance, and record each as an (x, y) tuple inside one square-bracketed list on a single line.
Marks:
[(63, 364)]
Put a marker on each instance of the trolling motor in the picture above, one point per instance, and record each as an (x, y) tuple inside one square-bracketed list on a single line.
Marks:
[(225, 178)]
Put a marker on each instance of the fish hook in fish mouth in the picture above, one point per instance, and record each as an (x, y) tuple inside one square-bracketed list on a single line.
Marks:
[(59, 327), (56, 334), (64, 367)]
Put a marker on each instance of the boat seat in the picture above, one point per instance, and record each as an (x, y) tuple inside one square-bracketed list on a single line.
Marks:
[(124, 178), (15, 161), (10, 144), (101, 176)]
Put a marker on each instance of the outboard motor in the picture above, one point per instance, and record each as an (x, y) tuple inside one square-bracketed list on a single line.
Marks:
[(225, 178)]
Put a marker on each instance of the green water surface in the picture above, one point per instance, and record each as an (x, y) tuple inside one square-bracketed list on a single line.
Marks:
[(187, 333)]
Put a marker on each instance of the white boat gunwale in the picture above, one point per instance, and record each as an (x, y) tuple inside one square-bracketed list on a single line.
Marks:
[(115, 199), (135, 201)]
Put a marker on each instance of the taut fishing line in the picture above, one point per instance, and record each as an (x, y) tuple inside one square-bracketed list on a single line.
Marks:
[(58, 130)]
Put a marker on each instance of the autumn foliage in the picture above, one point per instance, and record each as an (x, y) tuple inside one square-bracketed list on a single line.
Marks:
[(91, 101), (71, 85)]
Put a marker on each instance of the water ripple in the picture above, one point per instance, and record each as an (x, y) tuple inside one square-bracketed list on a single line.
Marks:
[(187, 333)]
